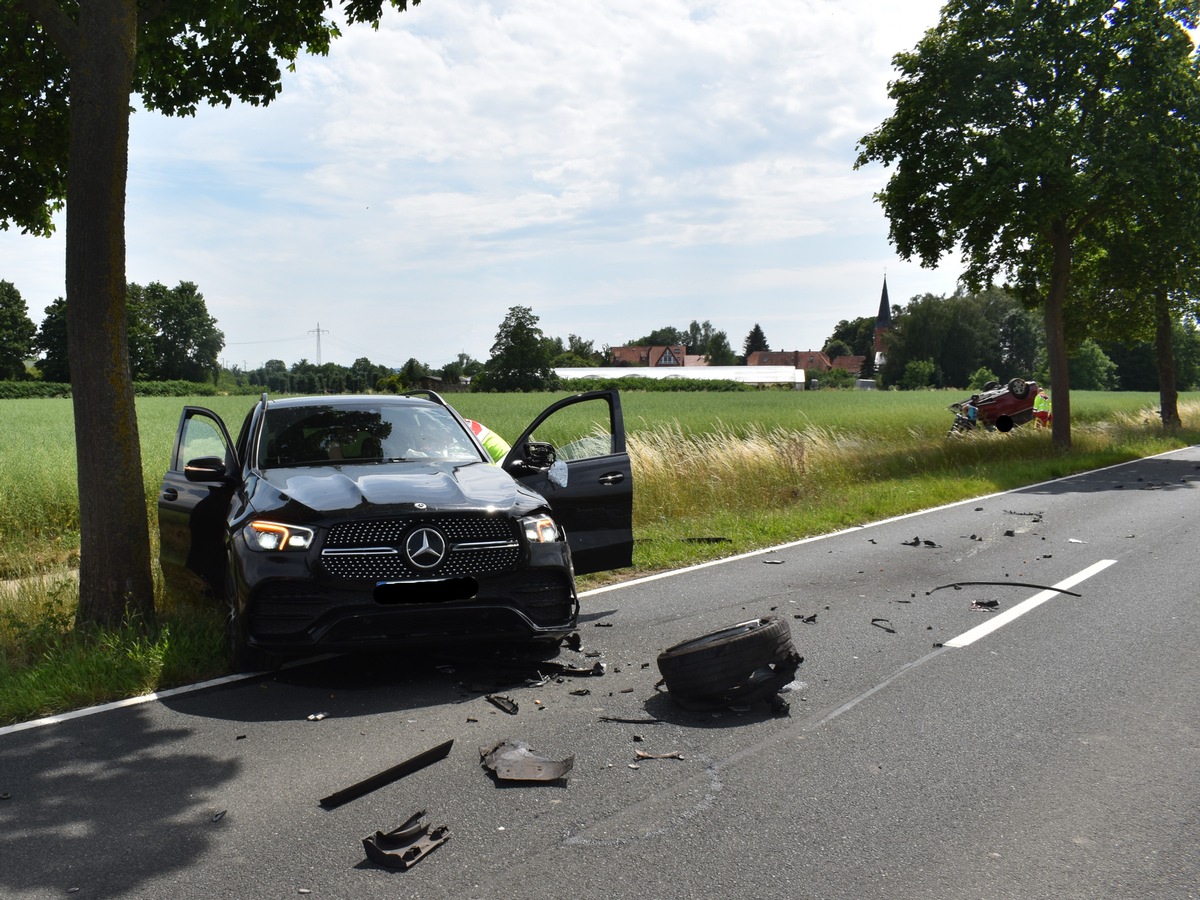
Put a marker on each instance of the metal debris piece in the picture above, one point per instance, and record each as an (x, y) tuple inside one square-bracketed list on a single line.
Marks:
[(670, 754), (317, 717), (885, 624), (985, 604), (217, 817), (958, 585), (808, 620), (582, 692), (602, 624), (621, 720), (773, 562), (915, 542), (931, 544), (507, 704), (405, 846), (395, 773), (516, 761)]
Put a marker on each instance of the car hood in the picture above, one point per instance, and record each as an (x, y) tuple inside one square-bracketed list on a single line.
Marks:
[(389, 488)]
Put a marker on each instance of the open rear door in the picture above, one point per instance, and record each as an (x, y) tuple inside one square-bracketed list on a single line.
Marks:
[(574, 455)]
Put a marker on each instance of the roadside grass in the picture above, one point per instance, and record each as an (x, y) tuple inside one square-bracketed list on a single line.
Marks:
[(715, 475)]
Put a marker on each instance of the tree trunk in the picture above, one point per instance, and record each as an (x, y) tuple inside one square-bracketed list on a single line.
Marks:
[(1056, 344), (114, 574), (1168, 395)]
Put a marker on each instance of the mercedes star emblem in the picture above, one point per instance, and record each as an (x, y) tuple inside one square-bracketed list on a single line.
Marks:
[(426, 548)]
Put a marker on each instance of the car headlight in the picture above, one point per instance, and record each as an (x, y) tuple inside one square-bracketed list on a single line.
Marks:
[(277, 536), (540, 529)]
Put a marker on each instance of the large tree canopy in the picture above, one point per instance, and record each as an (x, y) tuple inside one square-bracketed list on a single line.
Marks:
[(67, 73), (16, 332), (961, 334), (521, 355), (1020, 128)]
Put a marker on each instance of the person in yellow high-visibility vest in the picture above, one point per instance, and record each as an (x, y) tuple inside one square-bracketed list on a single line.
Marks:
[(1041, 409), (496, 446)]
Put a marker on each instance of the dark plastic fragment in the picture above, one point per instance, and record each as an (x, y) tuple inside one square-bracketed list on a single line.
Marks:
[(506, 704), (405, 846), (395, 773)]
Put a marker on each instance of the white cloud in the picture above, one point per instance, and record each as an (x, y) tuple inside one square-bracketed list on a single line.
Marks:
[(616, 166)]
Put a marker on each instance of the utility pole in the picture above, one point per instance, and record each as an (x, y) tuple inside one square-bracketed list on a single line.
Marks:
[(318, 331)]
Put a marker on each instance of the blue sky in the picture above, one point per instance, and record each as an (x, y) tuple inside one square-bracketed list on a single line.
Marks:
[(615, 166)]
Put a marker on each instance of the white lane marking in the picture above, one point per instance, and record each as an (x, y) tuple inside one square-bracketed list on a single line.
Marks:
[(121, 704), (999, 621)]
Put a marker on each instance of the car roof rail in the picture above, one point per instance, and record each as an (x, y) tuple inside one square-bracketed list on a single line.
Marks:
[(428, 394)]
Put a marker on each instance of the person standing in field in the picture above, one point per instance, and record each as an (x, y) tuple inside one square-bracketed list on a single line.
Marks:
[(1041, 409)]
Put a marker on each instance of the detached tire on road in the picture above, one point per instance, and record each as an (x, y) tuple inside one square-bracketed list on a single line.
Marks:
[(743, 662)]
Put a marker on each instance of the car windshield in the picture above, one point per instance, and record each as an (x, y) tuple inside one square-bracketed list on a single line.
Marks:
[(328, 434)]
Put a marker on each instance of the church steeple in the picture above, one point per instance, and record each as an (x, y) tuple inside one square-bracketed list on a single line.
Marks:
[(883, 324)]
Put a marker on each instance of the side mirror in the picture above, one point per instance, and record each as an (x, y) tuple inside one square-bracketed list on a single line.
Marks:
[(205, 468), (539, 455)]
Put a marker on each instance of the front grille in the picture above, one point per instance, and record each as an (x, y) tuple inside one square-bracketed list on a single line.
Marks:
[(374, 550)]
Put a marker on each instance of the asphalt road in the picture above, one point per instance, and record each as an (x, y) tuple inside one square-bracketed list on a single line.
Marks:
[(1057, 755)]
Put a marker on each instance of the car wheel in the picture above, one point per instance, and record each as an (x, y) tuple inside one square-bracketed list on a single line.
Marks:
[(1019, 388), (242, 657), (718, 666), (991, 385)]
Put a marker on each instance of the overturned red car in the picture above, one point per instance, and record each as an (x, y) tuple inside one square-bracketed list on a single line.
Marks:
[(999, 407)]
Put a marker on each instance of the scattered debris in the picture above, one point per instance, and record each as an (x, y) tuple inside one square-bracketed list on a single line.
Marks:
[(773, 562), (708, 540), (1008, 532), (670, 754), (807, 620), (930, 544), (574, 641), (581, 692), (405, 846), (395, 773), (317, 717), (505, 704), (217, 817), (959, 585), (516, 761), (1075, 541), (602, 624), (915, 542), (574, 671), (624, 721), (885, 624), (985, 604)]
